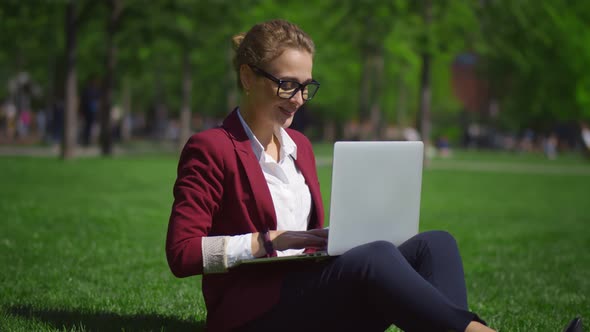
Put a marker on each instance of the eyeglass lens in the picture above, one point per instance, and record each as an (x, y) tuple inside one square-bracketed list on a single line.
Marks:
[(288, 89)]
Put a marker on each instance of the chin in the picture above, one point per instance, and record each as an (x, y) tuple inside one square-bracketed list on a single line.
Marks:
[(287, 123), (283, 123), (283, 119)]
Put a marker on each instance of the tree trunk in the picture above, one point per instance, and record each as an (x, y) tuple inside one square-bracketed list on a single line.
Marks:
[(160, 111), (232, 90), (329, 133), (185, 112), (425, 98), (126, 112), (365, 88), (68, 143), (425, 78), (377, 123), (401, 101), (106, 135)]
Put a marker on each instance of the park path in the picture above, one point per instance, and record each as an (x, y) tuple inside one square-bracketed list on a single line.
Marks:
[(85, 152), (438, 164), (44, 151), (510, 167), (495, 166)]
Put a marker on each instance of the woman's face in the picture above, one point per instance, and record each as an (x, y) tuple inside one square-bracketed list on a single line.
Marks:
[(292, 64)]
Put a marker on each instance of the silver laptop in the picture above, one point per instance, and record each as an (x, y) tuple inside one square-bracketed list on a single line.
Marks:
[(375, 196)]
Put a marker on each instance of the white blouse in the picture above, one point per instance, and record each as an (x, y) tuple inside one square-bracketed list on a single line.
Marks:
[(290, 194)]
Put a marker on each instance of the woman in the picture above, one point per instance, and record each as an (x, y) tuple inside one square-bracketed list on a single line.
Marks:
[(249, 189)]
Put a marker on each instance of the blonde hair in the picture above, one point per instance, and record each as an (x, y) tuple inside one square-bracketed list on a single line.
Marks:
[(266, 41)]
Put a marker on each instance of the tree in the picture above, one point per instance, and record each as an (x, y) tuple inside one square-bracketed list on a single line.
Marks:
[(71, 91), (425, 73), (32, 41), (536, 57), (447, 28), (364, 25), (106, 130), (74, 19)]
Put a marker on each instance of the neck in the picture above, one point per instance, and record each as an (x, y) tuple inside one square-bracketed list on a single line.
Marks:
[(263, 132)]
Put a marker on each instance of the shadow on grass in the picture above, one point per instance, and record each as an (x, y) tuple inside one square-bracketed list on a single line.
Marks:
[(105, 321)]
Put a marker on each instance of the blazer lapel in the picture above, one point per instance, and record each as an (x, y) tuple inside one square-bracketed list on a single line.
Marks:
[(261, 194), (306, 169)]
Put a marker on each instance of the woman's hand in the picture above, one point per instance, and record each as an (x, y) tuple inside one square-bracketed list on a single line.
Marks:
[(283, 240)]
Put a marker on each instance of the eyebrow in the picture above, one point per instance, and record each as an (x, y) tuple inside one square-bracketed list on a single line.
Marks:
[(294, 79)]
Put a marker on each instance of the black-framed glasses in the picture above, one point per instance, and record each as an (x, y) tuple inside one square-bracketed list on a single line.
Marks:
[(286, 89)]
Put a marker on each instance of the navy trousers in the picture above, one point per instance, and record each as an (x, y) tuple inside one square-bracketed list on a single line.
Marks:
[(418, 286)]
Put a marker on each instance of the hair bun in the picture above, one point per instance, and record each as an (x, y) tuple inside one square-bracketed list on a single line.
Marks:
[(237, 40)]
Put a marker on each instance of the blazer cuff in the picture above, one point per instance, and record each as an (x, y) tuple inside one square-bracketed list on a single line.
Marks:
[(214, 254)]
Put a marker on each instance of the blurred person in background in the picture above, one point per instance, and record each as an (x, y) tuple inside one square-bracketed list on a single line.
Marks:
[(550, 146), (89, 107), (41, 124), (10, 116), (2, 120), (585, 134), (57, 121), (443, 146), (24, 123)]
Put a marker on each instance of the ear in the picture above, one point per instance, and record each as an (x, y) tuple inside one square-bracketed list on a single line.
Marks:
[(247, 77)]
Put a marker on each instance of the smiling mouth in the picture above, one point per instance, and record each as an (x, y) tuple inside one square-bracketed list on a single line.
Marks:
[(287, 112)]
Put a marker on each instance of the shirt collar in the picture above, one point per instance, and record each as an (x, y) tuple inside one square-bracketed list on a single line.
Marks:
[(288, 146)]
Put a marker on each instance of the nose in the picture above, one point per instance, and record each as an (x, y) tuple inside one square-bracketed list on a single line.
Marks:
[(297, 98)]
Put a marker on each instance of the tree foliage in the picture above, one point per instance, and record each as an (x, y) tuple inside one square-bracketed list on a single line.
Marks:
[(369, 53), (538, 54)]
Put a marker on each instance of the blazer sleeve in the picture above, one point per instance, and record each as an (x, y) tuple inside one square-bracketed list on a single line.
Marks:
[(198, 192)]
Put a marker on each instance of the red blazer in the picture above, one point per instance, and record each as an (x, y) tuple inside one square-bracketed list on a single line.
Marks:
[(221, 190)]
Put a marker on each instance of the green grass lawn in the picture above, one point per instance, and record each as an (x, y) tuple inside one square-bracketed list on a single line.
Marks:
[(82, 242)]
